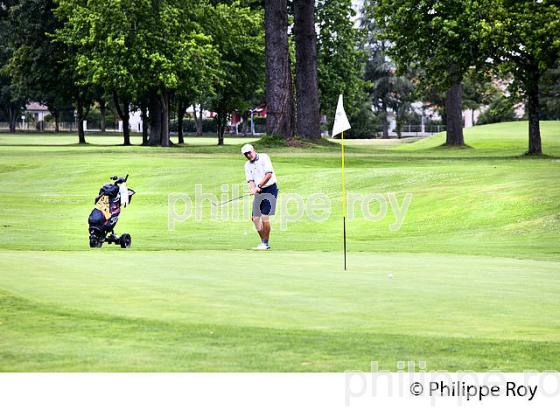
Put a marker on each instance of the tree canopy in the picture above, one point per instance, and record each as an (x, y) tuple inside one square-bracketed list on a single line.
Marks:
[(138, 48), (341, 61), (239, 39), (526, 36), (443, 38)]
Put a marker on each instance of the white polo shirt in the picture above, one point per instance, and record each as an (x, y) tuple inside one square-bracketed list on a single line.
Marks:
[(256, 170)]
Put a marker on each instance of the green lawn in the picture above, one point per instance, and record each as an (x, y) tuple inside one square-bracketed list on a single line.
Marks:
[(470, 281)]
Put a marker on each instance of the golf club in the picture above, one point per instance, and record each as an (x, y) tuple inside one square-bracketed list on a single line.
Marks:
[(230, 200)]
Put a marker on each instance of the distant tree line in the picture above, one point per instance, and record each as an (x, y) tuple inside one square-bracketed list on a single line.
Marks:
[(158, 57), (162, 56)]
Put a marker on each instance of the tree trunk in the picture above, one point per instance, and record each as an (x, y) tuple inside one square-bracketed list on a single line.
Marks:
[(454, 115), (155, 118), (245, 123), (198, 120), (219, 130), (279, 99), (385, 122), (12, 118), (164, 97), (308, 118), (80, 118), (56, 116), (200, 124), (124, 115), (221, 120), (144, 115), (103, 111), (180, 116), (533, 103), (126, 126)]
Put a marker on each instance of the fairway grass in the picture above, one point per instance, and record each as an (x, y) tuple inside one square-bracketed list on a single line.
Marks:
[(184, 311), (470, 281)]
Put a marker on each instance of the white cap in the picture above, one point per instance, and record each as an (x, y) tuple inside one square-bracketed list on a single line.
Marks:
[(246, 148)]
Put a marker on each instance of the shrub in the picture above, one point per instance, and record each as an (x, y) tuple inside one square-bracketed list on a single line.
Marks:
[(364, 122), (500, 110)]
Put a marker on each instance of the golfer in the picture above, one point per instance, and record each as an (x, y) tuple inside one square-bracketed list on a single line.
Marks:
[(262, 184)]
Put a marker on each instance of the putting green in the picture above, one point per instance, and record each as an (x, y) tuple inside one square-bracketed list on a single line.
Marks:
[(493, 305), (469, 281)]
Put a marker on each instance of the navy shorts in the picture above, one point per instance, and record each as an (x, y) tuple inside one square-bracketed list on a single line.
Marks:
[(265, 201)]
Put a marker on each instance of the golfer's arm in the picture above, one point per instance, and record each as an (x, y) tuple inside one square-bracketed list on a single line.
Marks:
[(252, 186), (265, 179)]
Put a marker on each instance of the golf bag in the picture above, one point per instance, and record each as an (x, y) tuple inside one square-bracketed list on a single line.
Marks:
[(105, 215)]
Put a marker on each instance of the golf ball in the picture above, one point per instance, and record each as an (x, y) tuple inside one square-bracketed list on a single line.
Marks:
[(390, 275)]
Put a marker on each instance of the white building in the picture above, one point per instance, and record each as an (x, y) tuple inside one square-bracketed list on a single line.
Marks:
[(39, 111)]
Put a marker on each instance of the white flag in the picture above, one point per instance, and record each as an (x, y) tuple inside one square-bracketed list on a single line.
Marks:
[(340, 120)]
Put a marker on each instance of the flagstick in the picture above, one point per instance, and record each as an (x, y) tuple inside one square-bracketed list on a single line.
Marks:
[(343, 201)]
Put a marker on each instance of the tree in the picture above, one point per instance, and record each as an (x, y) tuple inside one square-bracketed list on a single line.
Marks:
[(378, 73), (83, 101), (139, 51), (279, 96), (550, 93), (181, 57), (500, 110), (365, 124), (308, 116), (448, 38), (527, 43), (100, 34), (341, 61), (197, 114), (478, 90), (11, 103), (82, 95), (239, 39), (38, 67), (400, 100), (386, 89)]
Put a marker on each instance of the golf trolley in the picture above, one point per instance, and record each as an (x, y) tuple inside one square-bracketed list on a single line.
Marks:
[(105, 215)]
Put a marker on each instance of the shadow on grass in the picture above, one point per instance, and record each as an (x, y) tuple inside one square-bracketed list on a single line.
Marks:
[(274, 141), (467, 148), (46, 337), (439, 153), (445, 146)]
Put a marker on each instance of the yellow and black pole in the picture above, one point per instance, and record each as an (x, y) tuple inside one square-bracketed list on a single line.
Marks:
[(341, 124)]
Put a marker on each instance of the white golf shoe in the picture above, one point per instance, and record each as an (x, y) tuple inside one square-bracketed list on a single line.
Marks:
[(262, 247)]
